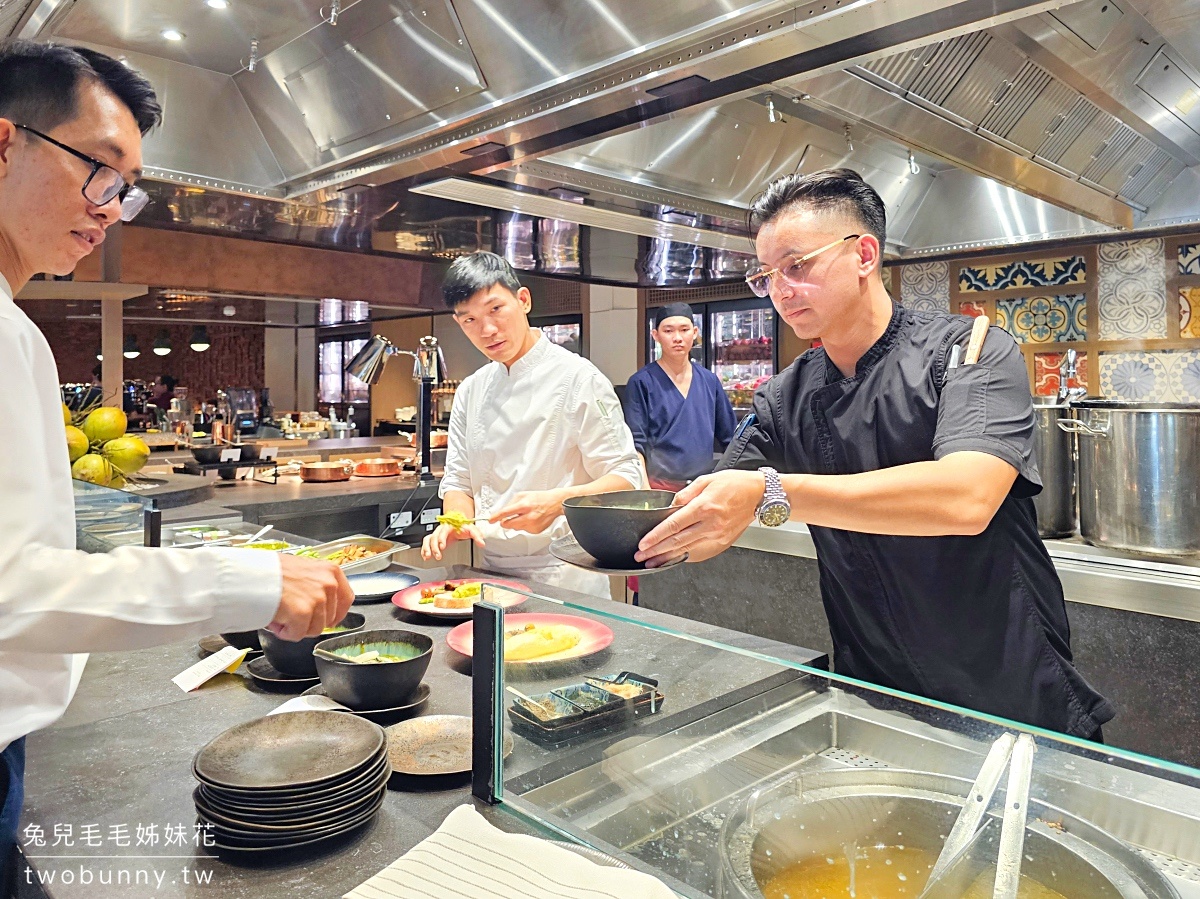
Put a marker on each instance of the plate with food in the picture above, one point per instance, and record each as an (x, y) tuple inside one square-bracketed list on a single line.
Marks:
[(455, 598), (355, 555), (539, 637)]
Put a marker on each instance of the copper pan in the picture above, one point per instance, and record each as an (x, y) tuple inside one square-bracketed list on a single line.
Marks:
[(340, 470), (377, 468)]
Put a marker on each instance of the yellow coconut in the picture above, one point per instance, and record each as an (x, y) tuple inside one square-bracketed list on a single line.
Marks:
[(77, 442)]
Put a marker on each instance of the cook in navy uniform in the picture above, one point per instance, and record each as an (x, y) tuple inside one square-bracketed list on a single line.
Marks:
[(915, 478)]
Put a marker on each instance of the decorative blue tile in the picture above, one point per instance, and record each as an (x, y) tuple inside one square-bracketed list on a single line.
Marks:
[(1189, 259), (1023, 273), (1045, 319), (1137, 377)]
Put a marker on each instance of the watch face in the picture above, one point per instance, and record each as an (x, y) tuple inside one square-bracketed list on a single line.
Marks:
[(774, 514)]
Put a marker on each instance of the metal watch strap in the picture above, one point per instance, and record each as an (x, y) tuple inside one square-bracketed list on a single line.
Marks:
[(772, 488)]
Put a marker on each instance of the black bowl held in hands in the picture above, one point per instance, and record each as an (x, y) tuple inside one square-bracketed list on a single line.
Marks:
[(295, 657), (374, 669), (609, 526)]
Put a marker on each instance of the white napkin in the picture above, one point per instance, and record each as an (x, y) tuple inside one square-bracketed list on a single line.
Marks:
[(468, 858)]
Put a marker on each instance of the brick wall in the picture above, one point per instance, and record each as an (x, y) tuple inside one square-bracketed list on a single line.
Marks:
[(235, 358)]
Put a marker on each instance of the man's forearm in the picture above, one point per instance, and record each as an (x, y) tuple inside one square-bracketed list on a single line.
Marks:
[(457, 501), (955, 495), (609, 483)]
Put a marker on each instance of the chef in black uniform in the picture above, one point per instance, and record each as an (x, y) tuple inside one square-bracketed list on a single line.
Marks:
[(915, 478)]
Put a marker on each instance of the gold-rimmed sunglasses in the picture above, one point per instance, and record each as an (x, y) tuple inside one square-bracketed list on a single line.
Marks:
[(790, 272)]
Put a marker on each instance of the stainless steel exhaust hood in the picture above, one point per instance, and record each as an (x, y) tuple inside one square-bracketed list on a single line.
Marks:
[(1022, 120)]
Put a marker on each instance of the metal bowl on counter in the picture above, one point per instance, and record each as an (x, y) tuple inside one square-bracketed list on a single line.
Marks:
[(377, 468), (1139, 475), (891, 824), (211, 455), (340, 470)]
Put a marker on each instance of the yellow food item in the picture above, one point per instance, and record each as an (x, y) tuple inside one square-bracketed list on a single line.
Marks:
[(66, 414), (880, 872), (456, 520), (537, 642), (464, 591)]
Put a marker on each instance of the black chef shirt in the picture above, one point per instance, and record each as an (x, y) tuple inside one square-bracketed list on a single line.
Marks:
[(976, 621)]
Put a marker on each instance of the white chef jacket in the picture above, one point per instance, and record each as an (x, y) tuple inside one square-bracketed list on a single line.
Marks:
[(550, 421), (56, 600)]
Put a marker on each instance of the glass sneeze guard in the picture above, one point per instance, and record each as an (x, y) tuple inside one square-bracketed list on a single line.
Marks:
[(106, 518), (729, 773)]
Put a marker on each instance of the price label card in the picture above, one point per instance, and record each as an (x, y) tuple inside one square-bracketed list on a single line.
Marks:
[(232, 454), (205, 670), (310, 704), (267, 453)]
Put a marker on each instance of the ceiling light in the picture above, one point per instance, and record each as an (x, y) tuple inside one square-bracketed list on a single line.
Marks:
[(172, 34), (199, 341), (773, 114), (217, 4), (912, 164), (162, 344), (229, 311), (99, 357), (131, 350)]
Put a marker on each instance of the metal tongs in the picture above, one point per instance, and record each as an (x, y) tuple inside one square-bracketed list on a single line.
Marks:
[(967, 827)]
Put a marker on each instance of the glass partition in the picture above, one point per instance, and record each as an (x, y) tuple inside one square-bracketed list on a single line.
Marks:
[(730, 773), (105, 517)]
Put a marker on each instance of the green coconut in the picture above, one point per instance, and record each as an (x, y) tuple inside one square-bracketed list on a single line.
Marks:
[(77, 442), (66, 414), (104, 424), (126, 454), (93, 468)]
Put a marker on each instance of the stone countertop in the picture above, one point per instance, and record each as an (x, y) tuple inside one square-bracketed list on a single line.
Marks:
[(121, 757)]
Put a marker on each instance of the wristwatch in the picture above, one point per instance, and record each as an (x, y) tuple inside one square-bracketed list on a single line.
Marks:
[(774, 509)]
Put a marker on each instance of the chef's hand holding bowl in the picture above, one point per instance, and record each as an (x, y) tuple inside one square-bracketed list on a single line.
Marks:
[(443, 535), (712, 512)]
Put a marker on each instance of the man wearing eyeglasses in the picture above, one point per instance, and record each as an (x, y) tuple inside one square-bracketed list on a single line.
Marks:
[(913, 475), (71, 126)]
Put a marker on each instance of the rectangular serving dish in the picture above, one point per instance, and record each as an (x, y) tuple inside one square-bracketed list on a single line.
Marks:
[(569, 722), (383, 549)]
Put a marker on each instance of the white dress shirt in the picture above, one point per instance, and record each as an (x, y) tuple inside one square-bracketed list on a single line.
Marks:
[(550, 421), (56, 600)]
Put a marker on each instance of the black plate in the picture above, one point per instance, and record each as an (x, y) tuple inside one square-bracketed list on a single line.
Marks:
[(284, 811), (293, 751), (265, 675), (416, 700), (567, 549), (239, 840), (215, 643), (268, 799), (266, 826), (232, 847)]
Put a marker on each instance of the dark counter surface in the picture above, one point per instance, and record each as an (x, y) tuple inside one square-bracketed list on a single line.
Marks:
[(121, 756)]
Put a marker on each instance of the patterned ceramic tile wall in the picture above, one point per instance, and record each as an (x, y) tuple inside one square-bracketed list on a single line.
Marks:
[(971, 308), (1045, 373), (925, 286), (1132, 290), (1023, 273), (1189, 312), (1059, 318), (1189, 259), (885, 275), (1164, 376)]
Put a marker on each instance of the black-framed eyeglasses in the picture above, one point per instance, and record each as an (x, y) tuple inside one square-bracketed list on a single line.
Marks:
[(105, 183), (792, 272)]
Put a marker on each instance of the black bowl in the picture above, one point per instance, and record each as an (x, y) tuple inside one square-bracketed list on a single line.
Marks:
[(244, 640), (609, 526), (207, 455), (373, 686), (249, 452), (296, 657)]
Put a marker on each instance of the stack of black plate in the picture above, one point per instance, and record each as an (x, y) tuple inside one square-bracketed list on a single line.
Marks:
[(290, 780)]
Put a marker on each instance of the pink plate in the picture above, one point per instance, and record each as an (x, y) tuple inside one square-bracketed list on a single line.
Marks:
[(410, 597), (594, 635)]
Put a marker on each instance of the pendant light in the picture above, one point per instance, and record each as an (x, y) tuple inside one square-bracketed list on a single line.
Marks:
[(131, 350), (199, 341), (162, 343)]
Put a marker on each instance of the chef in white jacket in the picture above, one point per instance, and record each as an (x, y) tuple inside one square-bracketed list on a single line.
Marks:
[(534, 427), (71, 124)]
